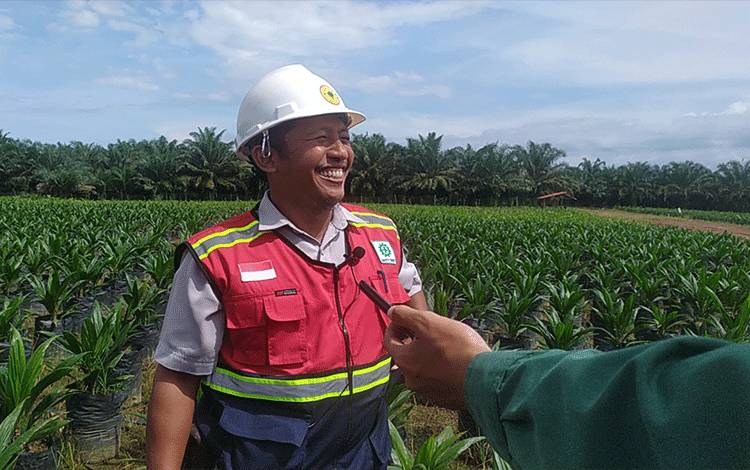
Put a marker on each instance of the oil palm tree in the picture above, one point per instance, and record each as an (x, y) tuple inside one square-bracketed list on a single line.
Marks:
[(635, 183), (734, 184), (541, 168), (427, 169), (209, 162), (158, 165), (685, 182), (486, 173), (374, 167)]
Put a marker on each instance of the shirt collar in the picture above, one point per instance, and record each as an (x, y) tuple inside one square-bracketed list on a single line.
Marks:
[(271, 218)]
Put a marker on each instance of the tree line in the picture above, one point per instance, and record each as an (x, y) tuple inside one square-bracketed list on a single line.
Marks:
[(422, 171)]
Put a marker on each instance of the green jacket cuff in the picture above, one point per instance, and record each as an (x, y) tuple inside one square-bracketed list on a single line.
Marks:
[(484, 378)]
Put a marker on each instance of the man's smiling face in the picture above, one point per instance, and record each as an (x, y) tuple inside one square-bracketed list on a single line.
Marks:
[(315, 161)]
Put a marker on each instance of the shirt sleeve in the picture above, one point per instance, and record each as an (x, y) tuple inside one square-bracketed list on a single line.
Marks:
[(409, 276), (193, 325), (678, 403)]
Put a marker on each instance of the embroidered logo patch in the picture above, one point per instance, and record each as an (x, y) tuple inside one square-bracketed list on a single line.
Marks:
[(384, 251), (259, 271)]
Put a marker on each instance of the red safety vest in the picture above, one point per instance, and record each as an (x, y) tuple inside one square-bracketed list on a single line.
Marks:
[(298, 330)]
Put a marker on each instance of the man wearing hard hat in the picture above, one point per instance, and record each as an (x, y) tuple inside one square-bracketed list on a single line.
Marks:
[(266, 312)]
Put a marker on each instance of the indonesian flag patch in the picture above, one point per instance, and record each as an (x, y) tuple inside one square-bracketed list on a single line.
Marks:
[(260, 271)]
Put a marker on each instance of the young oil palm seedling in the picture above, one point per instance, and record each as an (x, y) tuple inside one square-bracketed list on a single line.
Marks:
[(12, 440), (11, 316), (102, 343), (559, 331), (31, 386), (476, 298), (119, 254), (559, 325), (142, 300), (733, 325), (618, 319), (513, 313), (160, 267), (54, 293), (400, 402), (12, 274), (437, 453), (94, 408), (663, 322)]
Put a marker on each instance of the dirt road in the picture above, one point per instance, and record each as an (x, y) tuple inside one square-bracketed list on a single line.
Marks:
[(690, 224)]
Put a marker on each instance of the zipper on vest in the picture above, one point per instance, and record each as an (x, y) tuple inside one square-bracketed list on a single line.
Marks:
[(348, 347), (347, 344)]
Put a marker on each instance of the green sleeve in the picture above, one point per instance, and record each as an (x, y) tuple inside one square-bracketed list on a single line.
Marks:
[(679, 403)]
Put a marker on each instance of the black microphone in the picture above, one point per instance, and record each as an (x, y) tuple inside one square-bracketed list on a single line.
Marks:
[(353, 258)]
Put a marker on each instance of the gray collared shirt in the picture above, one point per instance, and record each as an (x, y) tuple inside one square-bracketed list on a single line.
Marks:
[(193, 324)]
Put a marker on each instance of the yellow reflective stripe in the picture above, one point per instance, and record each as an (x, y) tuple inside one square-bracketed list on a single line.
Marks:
[(227, 245), (223, 232), (384, 227), (310, 381), (344, 392)]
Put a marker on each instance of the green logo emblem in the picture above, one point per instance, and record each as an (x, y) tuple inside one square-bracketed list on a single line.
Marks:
[(385, 250)]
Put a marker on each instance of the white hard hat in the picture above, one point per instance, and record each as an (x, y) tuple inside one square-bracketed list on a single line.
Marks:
[(287, 93)]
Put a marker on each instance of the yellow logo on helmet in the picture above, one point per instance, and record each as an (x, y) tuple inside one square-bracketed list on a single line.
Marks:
[(330, 95)]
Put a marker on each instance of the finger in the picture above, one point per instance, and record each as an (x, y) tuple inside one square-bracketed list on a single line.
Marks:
[(409, 318), (392, 342)]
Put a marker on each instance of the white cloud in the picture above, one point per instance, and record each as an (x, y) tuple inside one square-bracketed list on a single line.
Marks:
[(258, 35), (736, 108), (399, 83), (109, 8), (88, 15), (646, 42), (81, 18), (6, 23), (129, 82), (143, 36)]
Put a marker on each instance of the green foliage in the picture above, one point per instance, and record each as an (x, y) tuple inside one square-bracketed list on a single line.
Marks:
[(400, 402), (11, 316), (30, 387), (435, 454), (12, 441), (54, 292), (101, 342)]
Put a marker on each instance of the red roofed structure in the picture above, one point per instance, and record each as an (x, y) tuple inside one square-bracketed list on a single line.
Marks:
[(555, 199)]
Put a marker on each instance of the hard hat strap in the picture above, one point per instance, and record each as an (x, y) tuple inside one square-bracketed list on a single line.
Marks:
[(265, 146)]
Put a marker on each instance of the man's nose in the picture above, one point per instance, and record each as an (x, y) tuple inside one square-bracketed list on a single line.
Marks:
[(337, 149)]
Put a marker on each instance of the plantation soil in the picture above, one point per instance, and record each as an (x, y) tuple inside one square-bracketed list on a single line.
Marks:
[(742, 231)]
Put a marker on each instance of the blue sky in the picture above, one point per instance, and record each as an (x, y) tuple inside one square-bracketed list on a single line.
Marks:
[(620, 81)]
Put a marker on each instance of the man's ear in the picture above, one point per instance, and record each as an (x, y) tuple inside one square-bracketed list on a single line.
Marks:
[(266, 164)]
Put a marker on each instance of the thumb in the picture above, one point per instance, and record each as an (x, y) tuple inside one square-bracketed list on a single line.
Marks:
[(406, 317)]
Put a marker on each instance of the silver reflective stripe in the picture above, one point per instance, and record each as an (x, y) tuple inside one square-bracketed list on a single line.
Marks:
[(371, 219), (299, 390), (226, 238)]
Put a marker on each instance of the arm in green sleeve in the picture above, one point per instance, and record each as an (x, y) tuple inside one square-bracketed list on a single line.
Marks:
[(679, 403)]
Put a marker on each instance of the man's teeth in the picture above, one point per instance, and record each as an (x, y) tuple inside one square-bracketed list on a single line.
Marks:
[(333, 173)]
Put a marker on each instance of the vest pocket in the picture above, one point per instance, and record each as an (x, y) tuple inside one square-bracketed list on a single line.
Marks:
[(388, 286), (287, 343), (266, 330)]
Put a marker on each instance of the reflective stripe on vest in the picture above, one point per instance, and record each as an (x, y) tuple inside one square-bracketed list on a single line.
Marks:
[(373, 221), (298, 390), (227, 238)]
